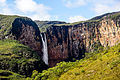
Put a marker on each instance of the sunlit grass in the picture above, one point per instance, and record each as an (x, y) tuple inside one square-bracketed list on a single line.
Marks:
[(104, 65)]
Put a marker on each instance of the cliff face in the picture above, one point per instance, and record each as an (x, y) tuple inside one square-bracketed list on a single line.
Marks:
[(15, 56), (21, 28), (27, 32), (70, 42), (110, 32), (57, 44), (67, 42)]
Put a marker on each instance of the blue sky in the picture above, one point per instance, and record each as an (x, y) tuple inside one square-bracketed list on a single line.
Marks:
[(60, 10)]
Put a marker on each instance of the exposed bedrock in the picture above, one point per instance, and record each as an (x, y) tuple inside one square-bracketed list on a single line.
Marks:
[(68, 42), (27, 32), (72, 41)]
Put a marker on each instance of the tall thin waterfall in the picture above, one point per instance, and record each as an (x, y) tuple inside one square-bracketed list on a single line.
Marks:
[(45, 51)]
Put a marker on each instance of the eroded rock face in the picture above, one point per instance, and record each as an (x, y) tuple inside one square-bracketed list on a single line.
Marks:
[(27, 32), (110, 32), (57, 44), (68, 42)]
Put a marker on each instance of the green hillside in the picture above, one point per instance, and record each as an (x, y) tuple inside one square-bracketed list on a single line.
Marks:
[(6, 22), (18, 58), (6, 25), (8, 75), (102, 66)]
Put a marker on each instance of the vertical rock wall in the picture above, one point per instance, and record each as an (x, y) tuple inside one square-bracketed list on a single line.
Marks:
[(27, 32), (72, 41)]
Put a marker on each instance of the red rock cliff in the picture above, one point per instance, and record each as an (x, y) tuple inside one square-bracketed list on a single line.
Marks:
[(72, 41)]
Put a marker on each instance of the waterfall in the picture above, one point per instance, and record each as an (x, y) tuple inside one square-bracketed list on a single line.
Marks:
[(44, 49)]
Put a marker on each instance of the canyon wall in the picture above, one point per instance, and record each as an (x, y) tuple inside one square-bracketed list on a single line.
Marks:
[(65, 42), (69, 42)]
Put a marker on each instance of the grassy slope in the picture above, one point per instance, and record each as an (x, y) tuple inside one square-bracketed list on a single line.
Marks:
[(6, 24), (102, 66), (18, 58), (8, 75)]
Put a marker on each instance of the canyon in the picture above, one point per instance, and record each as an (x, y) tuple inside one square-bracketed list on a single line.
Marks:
[(65, 41)]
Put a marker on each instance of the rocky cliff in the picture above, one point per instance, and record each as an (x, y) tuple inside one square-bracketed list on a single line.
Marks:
[(14, 56), (65, 42), (71, 41), (22, 29), (27, 32)]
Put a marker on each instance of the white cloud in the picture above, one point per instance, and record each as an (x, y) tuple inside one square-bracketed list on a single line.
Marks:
[(26, 5), (76, 19), (35, 11), (40, 16), (7, 11), (4, 8), (2, 1), (98, 6), (25, 8), (55, 17), (102, 8), (74, 3), (106, 6)]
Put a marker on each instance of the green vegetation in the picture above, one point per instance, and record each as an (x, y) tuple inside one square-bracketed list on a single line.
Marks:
[(95, 49), (6, 25), (6, 22), (43, 25), (76, 23), (8, 75), (18, 58), (95, 19), (102, 66), (44, 28), (115, 16)]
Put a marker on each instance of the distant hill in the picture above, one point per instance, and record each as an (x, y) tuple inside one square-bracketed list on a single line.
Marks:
[(107, 14), (43, 25)]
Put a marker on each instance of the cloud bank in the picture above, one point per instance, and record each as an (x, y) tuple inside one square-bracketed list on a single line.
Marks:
[(34, 10), (26, 8)]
